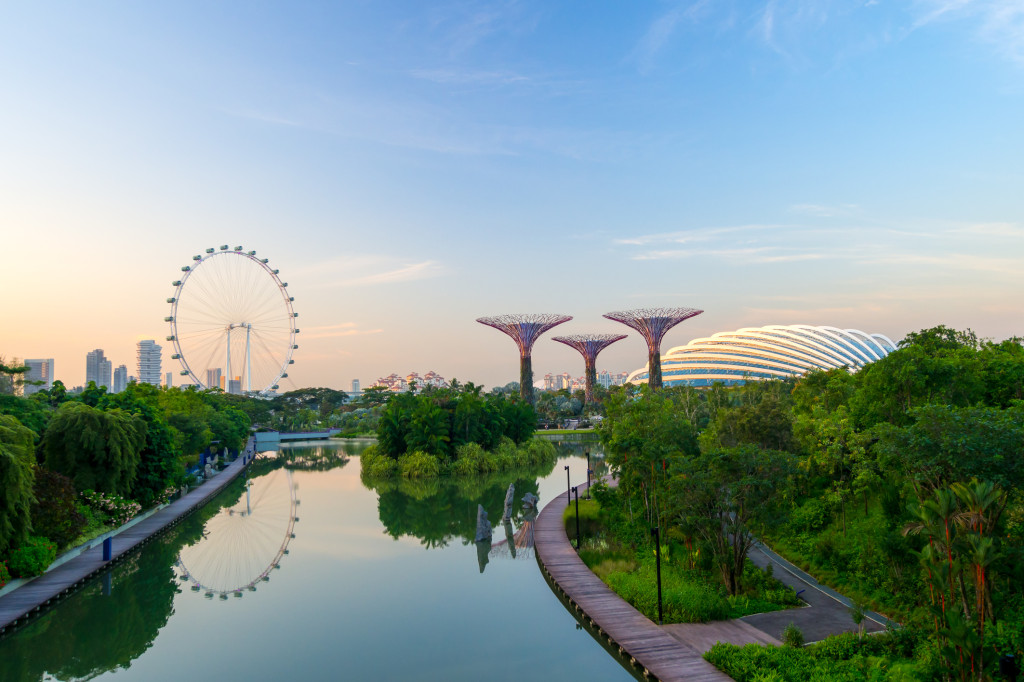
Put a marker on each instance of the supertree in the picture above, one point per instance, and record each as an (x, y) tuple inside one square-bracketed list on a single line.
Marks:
[(525, 330), (653, 324), (589, 345)]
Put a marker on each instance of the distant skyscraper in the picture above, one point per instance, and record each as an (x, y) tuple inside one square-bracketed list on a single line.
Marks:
[(97, 368), (120, 378), (39, 370), (355, 386), (169, 379), (235, 386), (149, 362), (213, 377)]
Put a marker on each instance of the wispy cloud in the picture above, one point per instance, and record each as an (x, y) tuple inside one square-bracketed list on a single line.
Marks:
[(1000, 23), (1012, 230), (368, 270), (337, 330), (469, 76), (661, 30), (702, 234)]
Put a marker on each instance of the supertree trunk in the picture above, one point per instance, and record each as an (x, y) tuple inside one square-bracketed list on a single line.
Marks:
[(589, 345), (525, 330), (653, 323)]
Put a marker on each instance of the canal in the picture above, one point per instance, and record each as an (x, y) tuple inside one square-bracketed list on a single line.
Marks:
[(303, 571)]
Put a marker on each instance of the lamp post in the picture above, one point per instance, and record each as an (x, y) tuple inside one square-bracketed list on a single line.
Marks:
[(588, 474), (656, 532), (568, 486), (576, 495)]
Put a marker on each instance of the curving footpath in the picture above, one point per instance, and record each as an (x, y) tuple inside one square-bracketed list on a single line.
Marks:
[(674, 652), (28, 600), (660, 655)]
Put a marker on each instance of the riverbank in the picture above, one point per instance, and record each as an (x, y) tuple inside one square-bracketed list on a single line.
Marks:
[(31, 597)]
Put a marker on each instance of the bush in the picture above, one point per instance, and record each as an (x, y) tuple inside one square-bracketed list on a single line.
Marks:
[(5, 575), (590, 521), (683, 600), (375, 464), (114, 508), (32, 557), (418, 465), (792, 636), (55, 513)]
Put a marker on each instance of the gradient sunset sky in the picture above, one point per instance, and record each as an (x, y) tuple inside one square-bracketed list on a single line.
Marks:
[(411, 166)]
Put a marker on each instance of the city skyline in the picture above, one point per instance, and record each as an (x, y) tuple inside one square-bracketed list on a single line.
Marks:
[(411, 168)]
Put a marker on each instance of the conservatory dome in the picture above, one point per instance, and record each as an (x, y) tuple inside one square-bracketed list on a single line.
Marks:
[(772, 352)]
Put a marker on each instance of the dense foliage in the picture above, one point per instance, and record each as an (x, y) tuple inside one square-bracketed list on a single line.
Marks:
[(901, 485), (16, 482)]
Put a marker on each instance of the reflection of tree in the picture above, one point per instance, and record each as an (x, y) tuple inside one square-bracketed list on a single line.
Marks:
[(313, 458), (437, 510), (90, 633)]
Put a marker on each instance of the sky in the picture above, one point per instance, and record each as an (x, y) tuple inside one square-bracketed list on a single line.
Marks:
[(412, 166)]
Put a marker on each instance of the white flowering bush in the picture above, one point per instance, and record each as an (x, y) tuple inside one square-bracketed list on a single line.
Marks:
[(114, 508)]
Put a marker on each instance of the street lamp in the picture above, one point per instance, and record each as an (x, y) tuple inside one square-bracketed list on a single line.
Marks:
[(576, 495), (656, 532), (568, 486), (588, 474)]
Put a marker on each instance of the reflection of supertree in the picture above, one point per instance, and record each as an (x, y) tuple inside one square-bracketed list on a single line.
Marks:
[(589, 345), (653, 324), (525, 330)]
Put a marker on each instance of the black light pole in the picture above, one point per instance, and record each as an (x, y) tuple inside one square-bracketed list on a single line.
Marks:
[(577, 496), (656, 532), (568, 486), (588, 474)]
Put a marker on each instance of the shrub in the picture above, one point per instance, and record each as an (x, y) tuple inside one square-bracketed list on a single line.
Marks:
[(375, 464), (5, 575), (55, 513), (684, 599), (590, 522), (32, 557), (115, 508), (418, 465), (792, 636)]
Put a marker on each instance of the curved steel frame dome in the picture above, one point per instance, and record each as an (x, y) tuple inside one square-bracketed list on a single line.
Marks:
[(772, 352)]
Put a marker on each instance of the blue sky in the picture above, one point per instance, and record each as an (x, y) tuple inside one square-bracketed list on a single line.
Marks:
[(412, 166)]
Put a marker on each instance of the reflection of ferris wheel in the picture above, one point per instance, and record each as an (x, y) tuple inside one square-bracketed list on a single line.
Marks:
[(243, 543), (231, 310)]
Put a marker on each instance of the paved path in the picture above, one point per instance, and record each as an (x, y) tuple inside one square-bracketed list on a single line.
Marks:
[(673, 652), (649, 646), (29, 599)]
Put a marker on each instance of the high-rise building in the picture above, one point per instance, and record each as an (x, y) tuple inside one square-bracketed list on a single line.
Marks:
[(235, 386), (169, 379), (355, 386), (97, 368), (39, 370), (120, 379), (213, 378), (149, 362)]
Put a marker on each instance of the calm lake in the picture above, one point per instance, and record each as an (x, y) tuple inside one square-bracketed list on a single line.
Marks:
[(368, 583)]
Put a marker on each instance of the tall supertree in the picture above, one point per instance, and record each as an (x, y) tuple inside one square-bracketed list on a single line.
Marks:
[(653, 324), (589, 345), (525, 330)]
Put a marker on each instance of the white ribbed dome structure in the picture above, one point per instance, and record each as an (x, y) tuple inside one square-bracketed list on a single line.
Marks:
[(772, 352)]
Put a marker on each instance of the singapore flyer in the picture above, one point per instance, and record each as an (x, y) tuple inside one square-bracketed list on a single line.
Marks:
[(232, 322)]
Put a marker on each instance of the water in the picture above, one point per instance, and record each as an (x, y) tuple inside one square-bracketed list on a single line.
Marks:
[(376, 584)]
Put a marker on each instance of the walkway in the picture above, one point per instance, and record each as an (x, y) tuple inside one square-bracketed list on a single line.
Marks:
[(674, 652), (18, 606)]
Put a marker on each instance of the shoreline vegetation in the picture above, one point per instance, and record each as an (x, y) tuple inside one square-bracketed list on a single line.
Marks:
[(470, 460)]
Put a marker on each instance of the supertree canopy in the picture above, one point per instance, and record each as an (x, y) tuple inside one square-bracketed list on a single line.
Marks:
[(589, 345), (653, 324), (525, 330)]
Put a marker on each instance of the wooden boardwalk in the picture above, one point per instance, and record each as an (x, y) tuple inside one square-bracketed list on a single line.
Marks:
[(647, 645), (18, 606)]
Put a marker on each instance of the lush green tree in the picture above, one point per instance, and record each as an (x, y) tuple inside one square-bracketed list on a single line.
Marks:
[(727, 497), (12, 376), (32, 414), (55, 513), (97, 449), (17, 479), (767, 423), (428, 430), (373, 396)]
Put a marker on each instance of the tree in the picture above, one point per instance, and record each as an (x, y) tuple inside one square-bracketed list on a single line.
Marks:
[(97, 449), (12, 376), (726, 497), (17, 478)]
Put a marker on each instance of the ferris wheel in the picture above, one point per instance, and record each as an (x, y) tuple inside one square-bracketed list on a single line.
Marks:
[(245, 542), (232, 322)]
